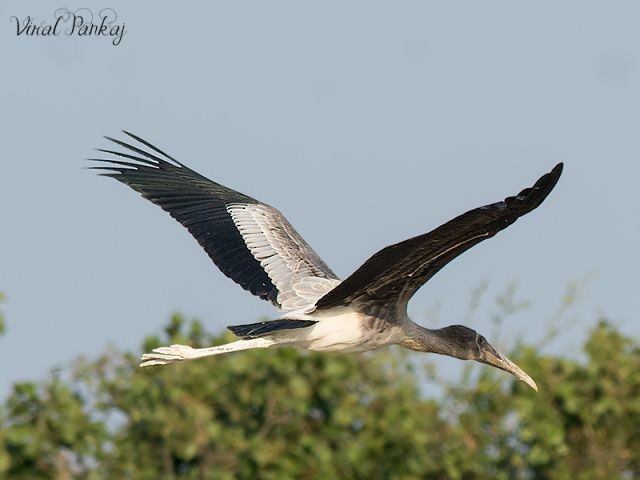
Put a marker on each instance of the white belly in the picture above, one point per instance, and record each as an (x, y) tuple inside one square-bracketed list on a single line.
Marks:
[(343, 330)]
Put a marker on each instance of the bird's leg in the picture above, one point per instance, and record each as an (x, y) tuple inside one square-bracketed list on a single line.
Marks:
[(178, 353)]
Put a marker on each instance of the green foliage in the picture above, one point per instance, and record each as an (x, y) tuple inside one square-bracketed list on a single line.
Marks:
[(585, 423), (283, 413), (46, 428)]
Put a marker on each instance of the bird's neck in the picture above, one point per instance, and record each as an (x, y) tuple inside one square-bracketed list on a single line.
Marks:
[(423, 339)]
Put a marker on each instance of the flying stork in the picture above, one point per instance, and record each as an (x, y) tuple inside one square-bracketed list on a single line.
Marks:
[(254, 245)]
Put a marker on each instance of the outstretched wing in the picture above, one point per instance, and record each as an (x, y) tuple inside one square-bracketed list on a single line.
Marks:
[(251, 242), (396, 272)]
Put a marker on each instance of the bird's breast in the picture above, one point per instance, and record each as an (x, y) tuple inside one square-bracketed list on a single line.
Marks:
[(347, 330)]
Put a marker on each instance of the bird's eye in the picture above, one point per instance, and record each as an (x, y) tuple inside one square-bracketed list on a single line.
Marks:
[(481, 342)]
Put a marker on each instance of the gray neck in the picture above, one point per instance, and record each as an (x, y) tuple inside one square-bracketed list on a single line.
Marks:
[(425, 340)]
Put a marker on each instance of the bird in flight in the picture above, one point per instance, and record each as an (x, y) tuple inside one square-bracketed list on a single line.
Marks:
[(254, 245)]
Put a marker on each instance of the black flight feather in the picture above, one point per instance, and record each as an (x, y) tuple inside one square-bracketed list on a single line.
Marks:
[(396, 272), (197, 203)]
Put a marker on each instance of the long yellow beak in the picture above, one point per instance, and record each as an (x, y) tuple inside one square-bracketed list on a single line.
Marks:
[(500, 361)]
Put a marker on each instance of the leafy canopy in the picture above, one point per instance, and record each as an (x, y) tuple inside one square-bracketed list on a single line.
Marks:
[(283, 413)]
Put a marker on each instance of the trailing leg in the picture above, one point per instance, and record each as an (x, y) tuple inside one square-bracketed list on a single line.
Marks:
[(178, 353)]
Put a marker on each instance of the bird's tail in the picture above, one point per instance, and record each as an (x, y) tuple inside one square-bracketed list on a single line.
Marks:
[(260, 329)]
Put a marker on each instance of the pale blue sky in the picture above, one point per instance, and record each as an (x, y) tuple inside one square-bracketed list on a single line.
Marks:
[(363, 122)]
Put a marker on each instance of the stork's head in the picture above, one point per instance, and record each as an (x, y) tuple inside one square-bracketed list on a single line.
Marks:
[(464, 343), (470, 345)]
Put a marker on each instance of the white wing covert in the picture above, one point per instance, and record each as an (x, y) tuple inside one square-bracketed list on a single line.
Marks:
[(298, 273)]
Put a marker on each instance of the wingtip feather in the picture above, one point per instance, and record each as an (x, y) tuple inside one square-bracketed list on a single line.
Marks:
[(557, 170)]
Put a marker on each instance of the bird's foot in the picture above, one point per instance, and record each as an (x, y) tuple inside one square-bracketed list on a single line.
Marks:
[(165, 355)]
